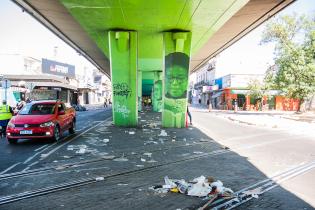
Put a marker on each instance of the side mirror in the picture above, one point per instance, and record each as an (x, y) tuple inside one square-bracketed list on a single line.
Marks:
[(61, 113)]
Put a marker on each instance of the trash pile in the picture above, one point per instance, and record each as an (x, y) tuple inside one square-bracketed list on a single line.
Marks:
[(200, 187)]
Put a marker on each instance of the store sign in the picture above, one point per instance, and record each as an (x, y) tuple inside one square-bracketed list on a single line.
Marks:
[(206, 89), (57, 68)]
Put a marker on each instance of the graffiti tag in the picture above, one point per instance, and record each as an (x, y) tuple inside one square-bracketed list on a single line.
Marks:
[(121, 89), (122, 109)]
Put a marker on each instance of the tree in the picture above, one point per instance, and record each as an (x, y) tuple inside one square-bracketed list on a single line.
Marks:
[(294, 56), (257, 90)]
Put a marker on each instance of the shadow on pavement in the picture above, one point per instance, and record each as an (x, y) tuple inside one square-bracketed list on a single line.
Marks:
[(131, 160)]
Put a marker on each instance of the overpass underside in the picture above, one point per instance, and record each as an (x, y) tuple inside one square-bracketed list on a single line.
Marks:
[(152, 42)]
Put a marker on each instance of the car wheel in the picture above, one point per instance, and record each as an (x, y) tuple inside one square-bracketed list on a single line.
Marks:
[(72, 129), (56, 134), (12, 141)]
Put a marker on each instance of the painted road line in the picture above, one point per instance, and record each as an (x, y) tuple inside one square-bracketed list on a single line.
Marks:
[(67, 142), (11, 167), (40, 148)]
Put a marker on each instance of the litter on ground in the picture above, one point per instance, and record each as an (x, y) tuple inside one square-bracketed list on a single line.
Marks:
[(200, 187), (163, 133)]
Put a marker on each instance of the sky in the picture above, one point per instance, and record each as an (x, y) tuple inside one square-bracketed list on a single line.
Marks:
[(248, 56), (22, 34)]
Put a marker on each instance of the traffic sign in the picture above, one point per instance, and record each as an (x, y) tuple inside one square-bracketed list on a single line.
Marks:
[(6, 83)]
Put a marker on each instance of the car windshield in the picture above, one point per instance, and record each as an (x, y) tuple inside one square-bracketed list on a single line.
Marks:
[(38, 109)]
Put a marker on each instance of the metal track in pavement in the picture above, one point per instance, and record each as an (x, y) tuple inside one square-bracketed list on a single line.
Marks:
[(261, 187), (81, 182)]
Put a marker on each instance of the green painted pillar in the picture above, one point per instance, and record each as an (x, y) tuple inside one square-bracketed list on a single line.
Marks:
[(139, 79), (123, 61), (177, 47), (157, 92)]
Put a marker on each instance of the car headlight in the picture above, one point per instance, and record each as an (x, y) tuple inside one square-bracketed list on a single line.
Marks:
[(46, 124), (11, 125)]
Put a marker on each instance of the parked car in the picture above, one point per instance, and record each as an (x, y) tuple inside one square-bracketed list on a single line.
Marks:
[(41, 119)]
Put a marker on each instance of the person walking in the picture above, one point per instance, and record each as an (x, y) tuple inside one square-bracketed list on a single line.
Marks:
[(189, 115), (6, 113), (105, 102)]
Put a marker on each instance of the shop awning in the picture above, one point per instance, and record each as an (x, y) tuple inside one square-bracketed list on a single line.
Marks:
[(244, 92), (247, 92)]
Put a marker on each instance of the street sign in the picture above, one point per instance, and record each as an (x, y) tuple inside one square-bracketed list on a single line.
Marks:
[(6, 83), (30, 85)]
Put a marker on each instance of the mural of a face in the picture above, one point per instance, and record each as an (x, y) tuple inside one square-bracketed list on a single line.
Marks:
[(176, 82), (176, 75), (158, 90)]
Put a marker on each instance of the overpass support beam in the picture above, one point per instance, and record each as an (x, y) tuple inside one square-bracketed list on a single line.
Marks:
[(123, 64), (177, 46), (139, 80), (157, 92)]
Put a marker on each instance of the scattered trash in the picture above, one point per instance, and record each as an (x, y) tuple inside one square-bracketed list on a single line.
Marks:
[(121, 184), (199, 187), (198, 152), (254, 193), (132, 132), (105, 140), (108, 157), (184, 139), (203, 140), (99, 178), (140, 166), (81, 151), (163, 133), (147, 154), (121, 159), (143, 160), (65, 156), (55, 161), (150, 142), (133, 153), (151, 161)]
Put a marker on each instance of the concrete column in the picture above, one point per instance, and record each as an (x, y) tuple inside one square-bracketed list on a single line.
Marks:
[(139, 90), (157, 92), (123, 61), (175, 83)]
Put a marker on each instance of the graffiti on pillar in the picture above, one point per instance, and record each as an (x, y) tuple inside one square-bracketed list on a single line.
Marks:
[(122, 110), (157, 96), (176, 82), (121, 89)]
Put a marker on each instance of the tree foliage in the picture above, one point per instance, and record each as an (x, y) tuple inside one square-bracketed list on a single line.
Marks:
[(294, 74), (256, 89)]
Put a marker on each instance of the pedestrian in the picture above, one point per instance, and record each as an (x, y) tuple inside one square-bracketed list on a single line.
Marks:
[(189, 115), (105, 102), (6, 113)]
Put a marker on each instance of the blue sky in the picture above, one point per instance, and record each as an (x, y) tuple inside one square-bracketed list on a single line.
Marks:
[(24, 35)]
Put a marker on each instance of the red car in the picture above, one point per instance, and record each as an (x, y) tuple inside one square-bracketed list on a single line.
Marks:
[(41, 119)]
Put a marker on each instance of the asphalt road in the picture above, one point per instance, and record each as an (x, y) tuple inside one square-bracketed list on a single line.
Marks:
[(270, 150), (18, 157)]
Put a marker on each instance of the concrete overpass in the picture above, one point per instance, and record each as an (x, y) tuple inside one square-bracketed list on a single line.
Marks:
[(153, 44)]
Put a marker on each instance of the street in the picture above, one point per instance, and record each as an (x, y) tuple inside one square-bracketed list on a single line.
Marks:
[(109, 167), (19, 157)]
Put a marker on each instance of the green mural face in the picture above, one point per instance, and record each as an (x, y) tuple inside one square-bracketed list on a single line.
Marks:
[(176, 74), (158, 90), (176, 80), (157, 96)]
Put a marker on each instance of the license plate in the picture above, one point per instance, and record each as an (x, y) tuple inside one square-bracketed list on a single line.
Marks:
[(26, 132)]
